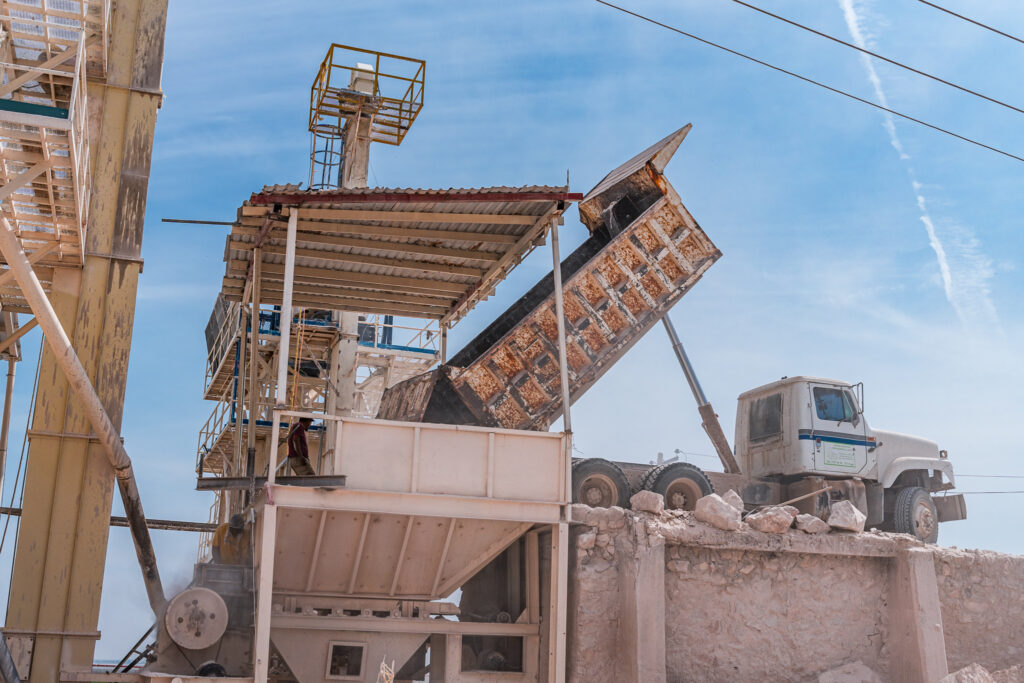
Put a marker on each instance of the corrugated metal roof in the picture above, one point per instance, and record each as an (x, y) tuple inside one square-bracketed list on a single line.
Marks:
[(412, 252)]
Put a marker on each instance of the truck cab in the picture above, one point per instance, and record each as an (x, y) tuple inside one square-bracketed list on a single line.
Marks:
[(811, 432)]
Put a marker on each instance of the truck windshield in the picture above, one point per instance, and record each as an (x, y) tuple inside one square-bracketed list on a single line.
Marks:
[(833, 404)]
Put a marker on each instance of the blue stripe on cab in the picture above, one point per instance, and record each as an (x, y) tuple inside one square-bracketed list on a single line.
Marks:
[(835, 439)]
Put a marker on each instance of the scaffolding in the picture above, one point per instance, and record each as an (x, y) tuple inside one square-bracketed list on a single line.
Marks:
[(47, 51)]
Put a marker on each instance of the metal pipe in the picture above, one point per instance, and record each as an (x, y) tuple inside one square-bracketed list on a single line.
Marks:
[(684, 362), (5, 426), (286, 311), (254, 386), (17, 334), (563, 368), (79, 382)]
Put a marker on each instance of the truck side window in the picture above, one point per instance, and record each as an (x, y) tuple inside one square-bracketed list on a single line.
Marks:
[(766, 417), (832, 404)]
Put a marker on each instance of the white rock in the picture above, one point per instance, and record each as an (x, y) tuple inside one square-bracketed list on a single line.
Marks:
[(791, 510), (845, 515), (854, 672), (973, 673), (771, 520), (811, 524), (647, 501), (711, 509), (586, 541), (734, 499)]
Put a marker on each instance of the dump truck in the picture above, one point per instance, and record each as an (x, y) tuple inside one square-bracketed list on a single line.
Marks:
[(800, 438)]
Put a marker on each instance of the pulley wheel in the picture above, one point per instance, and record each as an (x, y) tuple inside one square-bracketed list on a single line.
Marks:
[(196, 618)]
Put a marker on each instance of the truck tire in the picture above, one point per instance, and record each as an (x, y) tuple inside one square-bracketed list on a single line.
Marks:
[(914, 513), (599, 483), (679, 482)]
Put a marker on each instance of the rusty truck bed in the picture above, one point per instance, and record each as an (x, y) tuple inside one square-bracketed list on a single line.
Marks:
[(644, 253)]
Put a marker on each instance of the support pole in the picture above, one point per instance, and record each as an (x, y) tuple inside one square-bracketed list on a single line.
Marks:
[(79, 382), (18, 334), (254, 355), (563, 368), (281, 391), (444, 343), (5, 426)]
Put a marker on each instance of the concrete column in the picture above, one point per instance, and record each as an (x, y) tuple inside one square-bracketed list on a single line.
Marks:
[(642, 612), (916, 641)]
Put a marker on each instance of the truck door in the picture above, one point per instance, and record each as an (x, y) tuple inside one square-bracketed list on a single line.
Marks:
[(839, 433)]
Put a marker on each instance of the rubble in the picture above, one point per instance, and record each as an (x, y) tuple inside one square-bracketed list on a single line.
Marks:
[(845, 515), (791, 510), (711, 509), (648, 501), (811, 524), (771, 520), (854, 672), (734, 499), (973, 673)]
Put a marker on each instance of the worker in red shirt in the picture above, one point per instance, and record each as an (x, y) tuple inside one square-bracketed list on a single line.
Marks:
[(298, 450)]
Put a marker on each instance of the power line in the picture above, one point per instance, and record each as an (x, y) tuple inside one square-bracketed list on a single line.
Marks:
[(813, 82), (986, 493), (860, 49), (968, 19), (993, 476)]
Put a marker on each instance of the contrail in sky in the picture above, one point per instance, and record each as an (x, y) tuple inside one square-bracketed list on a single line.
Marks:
[(966, 289)]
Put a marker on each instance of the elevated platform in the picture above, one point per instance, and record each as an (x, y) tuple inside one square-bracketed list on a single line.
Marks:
[(44, 144)]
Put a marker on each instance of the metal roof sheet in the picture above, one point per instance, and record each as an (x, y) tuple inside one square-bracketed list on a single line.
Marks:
[(426, 253)]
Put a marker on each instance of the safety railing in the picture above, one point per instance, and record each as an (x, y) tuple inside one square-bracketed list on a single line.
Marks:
[(44, 145), (389, 88)]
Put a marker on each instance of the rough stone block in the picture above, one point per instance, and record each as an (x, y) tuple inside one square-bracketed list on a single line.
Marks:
[(854, 672), (586, 540), (734, 499), (811, 524), (713, 510), (791, 510), (647, 501), (974, 673), (845, 515), (770, 520)]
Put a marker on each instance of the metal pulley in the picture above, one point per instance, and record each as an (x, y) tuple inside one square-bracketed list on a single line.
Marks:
[(196, 618)]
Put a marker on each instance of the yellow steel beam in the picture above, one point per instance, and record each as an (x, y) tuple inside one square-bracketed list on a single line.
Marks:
[(58, 570)]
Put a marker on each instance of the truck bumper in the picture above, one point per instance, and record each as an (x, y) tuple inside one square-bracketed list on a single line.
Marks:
[(950, 508)]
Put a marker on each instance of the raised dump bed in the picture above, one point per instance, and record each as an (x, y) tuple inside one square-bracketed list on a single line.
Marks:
[(644, 253)]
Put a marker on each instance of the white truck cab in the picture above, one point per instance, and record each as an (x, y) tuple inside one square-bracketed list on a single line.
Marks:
[(807, 431)]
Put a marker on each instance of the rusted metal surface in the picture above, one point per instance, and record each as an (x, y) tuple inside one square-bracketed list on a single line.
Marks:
[(644, 254), (61, 550)]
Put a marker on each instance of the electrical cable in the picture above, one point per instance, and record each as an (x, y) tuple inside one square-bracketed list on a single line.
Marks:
[(813, 82), (993, 476), (878, 56), (972, 21)]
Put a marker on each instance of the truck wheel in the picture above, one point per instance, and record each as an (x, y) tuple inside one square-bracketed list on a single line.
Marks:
[(915, 514), (679, 482), (599, 483)]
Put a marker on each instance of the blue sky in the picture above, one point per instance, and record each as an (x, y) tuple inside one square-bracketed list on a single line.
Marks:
[(829, 268)]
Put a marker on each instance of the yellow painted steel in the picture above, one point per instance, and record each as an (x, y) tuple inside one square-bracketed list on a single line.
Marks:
[(58, 571), (397, 92)]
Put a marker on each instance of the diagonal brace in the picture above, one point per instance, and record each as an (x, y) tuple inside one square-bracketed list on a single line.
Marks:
[(82, 386)]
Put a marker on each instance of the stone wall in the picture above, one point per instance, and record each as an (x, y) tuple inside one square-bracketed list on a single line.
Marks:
[(755, 616), (748, 606), (982, 607)]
